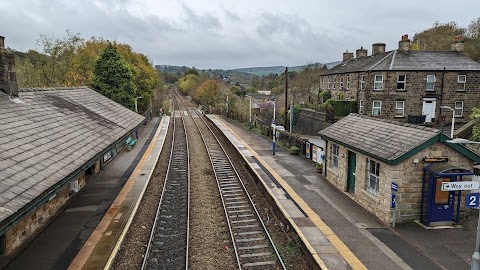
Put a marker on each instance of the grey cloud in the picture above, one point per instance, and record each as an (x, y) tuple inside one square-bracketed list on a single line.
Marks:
[(200, 22)]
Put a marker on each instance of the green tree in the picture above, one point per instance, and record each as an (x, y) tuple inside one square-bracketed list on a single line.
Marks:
[(208, 93), (113, 77)]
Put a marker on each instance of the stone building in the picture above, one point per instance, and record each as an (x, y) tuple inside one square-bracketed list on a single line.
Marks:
[(50, 140), (408, 86), (364, 155)]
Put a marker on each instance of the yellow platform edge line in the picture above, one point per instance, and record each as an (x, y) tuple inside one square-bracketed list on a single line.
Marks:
[(346, 253), (87, 249)]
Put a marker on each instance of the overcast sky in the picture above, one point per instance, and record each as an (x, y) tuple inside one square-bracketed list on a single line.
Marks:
[(231, 34)]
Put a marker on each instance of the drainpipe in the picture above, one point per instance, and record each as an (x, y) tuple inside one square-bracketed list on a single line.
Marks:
[(441, 97)]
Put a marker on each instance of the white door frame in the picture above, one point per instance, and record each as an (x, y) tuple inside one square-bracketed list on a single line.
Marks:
[(434, 108)]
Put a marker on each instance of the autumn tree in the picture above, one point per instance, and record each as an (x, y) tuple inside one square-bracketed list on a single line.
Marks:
[(188, 84), (208, 93), (476, 128), (113, 78)]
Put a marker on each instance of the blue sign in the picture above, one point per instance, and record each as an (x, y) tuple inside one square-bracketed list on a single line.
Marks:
[(471, 200), (394, 186), (393, 201)]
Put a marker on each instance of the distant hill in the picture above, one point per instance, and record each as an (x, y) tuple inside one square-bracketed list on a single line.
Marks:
[(260, 71)]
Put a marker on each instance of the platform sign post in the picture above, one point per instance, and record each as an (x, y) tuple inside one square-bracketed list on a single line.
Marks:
[(273, 138), (394, 202)]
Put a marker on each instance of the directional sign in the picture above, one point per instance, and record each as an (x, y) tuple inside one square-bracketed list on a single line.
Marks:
[(471, 200), (394, 186), (464, 185)]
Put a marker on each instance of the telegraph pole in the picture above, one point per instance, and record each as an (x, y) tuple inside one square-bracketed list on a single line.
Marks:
[(286, 98)]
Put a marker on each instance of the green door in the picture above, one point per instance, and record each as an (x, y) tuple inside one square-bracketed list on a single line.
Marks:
[(352, 158)]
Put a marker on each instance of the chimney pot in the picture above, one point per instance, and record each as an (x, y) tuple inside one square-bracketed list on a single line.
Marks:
[(458, 44), (361, 52), (347, 56), (378, 48), (404, 43), (2, 42)]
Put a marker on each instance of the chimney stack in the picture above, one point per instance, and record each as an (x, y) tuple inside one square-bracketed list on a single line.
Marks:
[(347, 56), (458, 44), (8, 78), (404, 43), (378, 48), (361, 52)]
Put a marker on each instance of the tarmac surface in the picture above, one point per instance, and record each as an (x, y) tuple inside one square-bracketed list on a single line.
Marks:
[(339, 233), (361, 241)]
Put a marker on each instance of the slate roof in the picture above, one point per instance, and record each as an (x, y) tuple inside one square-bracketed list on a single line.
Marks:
[(408, 61), (384, 139), (47, 134)]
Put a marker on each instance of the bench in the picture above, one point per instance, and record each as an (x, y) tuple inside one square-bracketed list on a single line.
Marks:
[(130, 143)]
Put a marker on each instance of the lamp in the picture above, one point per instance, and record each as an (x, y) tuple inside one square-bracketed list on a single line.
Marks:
[(453, 119), (476, 254)]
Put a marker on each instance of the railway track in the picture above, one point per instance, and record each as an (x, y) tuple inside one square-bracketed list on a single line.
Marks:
[(169, 239), (253, 245)]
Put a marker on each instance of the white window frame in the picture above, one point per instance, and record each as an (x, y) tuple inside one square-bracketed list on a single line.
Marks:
[(373, 176), (340, 87), (379, 108), (430, 82), (376, 82), (334, 153), (348, 82), (323, 82), (328, 81), (399, 108), (334, 81), (458, 109), (461, 82), (404, 82), (362, 82), (360, 109)]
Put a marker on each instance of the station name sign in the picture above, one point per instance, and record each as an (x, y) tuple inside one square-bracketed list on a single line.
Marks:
[(434, 159)]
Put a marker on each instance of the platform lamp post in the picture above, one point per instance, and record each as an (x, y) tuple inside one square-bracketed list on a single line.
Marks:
[(136, 103), (273, 126), (476, 254), (453, 119)]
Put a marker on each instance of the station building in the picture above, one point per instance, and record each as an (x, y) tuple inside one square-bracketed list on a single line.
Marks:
[(50, 140), (368, 158)]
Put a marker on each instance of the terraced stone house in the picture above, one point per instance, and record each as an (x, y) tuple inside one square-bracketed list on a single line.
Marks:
[(408, 86)]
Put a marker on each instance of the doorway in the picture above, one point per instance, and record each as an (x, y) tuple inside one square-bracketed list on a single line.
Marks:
[(352, 164), (428, 109)]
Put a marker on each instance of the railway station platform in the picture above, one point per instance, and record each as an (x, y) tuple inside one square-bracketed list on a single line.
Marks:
[(339, 233)]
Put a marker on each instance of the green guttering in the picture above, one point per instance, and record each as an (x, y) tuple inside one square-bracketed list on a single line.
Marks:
[(437, 138), (50, 193)]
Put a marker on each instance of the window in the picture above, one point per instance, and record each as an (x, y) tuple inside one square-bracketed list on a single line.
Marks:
[(323, 82), (360, 109), (334, 156), (341, 83), (431, 82), (377, 107), (378, 85), (348, 82), (362, 82), (328, 81), (373, 174), (401, 82), (461, 80), (458, 108), (334, 81), (399, 108)]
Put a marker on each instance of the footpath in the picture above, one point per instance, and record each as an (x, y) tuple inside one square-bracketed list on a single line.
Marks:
[(339, 233)]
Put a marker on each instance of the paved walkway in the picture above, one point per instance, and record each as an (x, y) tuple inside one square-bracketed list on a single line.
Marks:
[(62, 239), (340, 233)]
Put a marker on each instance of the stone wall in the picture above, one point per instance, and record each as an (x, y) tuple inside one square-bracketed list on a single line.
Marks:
[(310, 122), (407, 175)]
